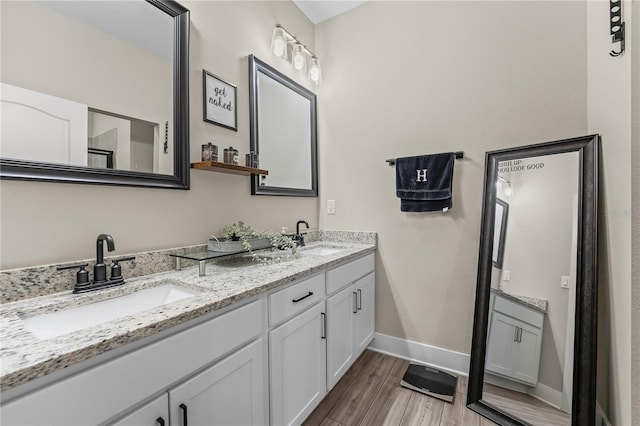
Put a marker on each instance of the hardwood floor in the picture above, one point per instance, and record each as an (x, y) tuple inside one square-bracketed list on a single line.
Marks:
[(370, 394), (524, 406)]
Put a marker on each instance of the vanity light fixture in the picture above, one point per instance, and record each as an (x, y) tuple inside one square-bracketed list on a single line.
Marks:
[(505, 186), (302, 59)]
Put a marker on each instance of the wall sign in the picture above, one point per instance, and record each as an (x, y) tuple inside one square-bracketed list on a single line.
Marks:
[(220, 101)]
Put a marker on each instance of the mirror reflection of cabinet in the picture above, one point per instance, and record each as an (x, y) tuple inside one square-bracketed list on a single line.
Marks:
[(514, 341)]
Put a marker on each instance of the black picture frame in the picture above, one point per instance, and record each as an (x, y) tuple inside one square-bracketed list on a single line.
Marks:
[(585, 335), (219, 108), (13, 169), (499, 255)]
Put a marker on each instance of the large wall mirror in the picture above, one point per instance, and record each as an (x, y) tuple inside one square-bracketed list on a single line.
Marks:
[(533, 356), (95, 92), (283, 133)]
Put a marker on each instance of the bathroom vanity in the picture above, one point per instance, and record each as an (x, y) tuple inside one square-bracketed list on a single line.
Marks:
[(255, 344)]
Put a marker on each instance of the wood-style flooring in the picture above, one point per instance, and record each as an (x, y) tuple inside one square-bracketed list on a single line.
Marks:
[(524, 406), (370, 394)]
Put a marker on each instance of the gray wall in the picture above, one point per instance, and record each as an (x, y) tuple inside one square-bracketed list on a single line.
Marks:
[(408, 78), (41, 223)]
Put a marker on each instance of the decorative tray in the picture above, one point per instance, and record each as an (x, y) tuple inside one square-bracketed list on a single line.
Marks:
[(222, 245)]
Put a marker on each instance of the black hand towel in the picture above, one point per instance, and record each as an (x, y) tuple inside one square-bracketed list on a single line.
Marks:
[(425, 183)]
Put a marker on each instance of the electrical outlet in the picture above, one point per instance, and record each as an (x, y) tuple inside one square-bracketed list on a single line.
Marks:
[(564, 281), (506, 275), (331, 206)]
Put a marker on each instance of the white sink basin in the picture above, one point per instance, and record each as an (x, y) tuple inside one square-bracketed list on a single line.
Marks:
[(322, 250), (46, 326)]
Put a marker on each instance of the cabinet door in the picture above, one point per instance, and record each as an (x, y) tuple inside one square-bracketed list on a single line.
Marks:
[(231, 392), (366, 307), (500, 344), (155, 413), (514, 349), (526, 354), (298, 366), (341, 309)]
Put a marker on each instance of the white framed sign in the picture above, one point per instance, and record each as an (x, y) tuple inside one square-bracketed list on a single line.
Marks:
[(220, 101)]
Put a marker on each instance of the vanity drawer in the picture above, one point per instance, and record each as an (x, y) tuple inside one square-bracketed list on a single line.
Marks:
[(294, 299), (518, 311), (349, 272)]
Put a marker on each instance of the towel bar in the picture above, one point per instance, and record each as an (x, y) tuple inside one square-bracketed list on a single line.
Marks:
[(458, 154)]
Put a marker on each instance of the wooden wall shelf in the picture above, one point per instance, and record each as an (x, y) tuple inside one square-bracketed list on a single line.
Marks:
[(215, 166)]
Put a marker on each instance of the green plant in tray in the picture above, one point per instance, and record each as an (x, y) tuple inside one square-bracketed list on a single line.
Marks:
[(240, 231)]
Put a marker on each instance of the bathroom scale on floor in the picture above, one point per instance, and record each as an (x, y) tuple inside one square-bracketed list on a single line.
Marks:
[(430, 381)]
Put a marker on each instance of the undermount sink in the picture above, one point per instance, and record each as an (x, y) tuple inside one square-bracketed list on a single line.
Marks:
[(48, 325), (322, 250)]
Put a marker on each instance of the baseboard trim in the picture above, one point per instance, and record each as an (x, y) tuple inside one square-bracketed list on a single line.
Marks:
[(445, 359), (546, 394)]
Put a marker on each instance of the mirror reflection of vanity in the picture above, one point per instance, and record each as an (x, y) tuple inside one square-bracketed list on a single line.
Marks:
[(283, 133), (533, 354), (95, 92)]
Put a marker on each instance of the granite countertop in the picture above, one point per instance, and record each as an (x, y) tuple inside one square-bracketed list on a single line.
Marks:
[(24, 357), (530, 302)]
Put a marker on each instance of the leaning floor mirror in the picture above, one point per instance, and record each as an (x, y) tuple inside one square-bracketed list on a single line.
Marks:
[(533, 356)]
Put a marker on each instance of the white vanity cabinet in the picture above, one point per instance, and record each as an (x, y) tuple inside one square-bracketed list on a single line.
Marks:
[(100, 393), (514, 341), (297, 350), (297, 366), (257, 362), (230, 392), (350, 315)]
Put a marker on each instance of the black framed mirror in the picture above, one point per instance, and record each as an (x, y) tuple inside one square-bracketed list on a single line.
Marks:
[(533, 355), (68, 153), (282, 115)]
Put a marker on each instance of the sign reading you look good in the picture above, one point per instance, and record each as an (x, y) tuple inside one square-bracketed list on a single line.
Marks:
[(220, 101), (519, 166)]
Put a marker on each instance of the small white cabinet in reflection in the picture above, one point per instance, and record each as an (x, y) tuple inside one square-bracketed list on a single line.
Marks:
[(514, 341)]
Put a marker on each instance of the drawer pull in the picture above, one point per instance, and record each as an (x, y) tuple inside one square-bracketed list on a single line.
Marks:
[(160, 421), (303, 297), (184, 414)]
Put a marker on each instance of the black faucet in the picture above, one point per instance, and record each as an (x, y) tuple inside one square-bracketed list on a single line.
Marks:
[(83, 284), (100, 269), (299, 238)]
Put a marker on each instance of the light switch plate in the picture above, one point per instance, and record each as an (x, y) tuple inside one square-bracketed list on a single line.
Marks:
[(331, 206), (564, 282), (506, 275)]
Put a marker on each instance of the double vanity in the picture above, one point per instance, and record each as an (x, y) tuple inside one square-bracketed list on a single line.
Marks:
[(247, 343)]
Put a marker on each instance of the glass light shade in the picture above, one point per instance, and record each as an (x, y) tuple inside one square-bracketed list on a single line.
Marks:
[(279, 43), (315, 72), (508, 191), (297, 57)]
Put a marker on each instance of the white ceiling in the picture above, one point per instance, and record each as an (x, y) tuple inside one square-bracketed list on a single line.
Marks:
[(321, 10)]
